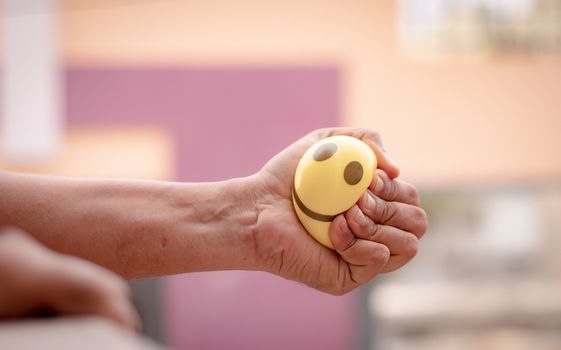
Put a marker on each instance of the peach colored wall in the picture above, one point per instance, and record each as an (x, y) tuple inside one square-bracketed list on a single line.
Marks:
[(98, 151), (448, 122)]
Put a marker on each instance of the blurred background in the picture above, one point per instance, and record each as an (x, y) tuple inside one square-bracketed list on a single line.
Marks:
[(466, 93)]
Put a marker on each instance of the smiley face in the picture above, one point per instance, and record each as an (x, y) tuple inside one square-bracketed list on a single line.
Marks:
[(330, 178)]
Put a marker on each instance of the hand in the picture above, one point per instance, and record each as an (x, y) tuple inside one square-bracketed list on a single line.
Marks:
[(378, 234), (36, 281)]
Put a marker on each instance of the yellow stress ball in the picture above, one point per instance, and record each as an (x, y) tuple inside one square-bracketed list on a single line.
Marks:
[(330, 178)]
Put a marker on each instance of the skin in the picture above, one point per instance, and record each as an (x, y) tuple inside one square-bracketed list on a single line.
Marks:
[(145, 228), (38, 281)]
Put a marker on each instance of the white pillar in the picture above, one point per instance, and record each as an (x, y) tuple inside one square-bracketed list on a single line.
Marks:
[(31, 89)]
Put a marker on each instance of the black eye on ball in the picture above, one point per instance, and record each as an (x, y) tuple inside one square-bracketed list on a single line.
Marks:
[(325, 151), (353, 173)]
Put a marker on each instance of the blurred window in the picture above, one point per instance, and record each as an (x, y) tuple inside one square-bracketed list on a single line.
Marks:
[(438, 27), (488, 275)]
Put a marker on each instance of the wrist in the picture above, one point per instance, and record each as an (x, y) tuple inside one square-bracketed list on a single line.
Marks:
[(241, 198), (269, 206), (217, 223)]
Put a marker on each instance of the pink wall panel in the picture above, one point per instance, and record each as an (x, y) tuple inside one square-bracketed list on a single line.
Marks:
[(227, 122), (253, 310)]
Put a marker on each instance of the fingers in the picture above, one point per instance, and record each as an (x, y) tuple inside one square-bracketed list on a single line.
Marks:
[(374, 140), (402, 245), (403, 216), (366, 259), (82, 288), (42, 281), (18, 252), (393, 190)]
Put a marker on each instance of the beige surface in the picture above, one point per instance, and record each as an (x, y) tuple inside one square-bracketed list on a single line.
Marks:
[(132, 152), (487, 276), (69, 333), (403, 307), (491, 315)]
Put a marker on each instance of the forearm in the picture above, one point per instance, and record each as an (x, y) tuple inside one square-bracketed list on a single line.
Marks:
[(136, 228)]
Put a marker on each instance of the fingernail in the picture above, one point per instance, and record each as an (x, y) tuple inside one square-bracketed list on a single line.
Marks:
[(343, 225), (359, 217), (370, 201), (391, 161), (379, 184)]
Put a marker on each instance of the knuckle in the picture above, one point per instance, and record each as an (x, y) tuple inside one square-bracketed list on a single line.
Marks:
[(373, 134), (413, 196), (420, 221), (79, 295), (381, 209), (389, 211), (361, 222), (380, 173), (385, 211), (339, 290), (322, 132), (110, 289), (360, 276), (364, 224), (362, 280), (343, 285), (107, 291), (390, 190), (373, 231), (346, 245), (379, 256), (411, 248), (113, 282)]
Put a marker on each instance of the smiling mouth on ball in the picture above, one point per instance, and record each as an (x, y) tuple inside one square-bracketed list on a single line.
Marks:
[(312, 214)]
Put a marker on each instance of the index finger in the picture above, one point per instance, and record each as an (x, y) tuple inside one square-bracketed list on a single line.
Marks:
[(373, 139), (393, 190)]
